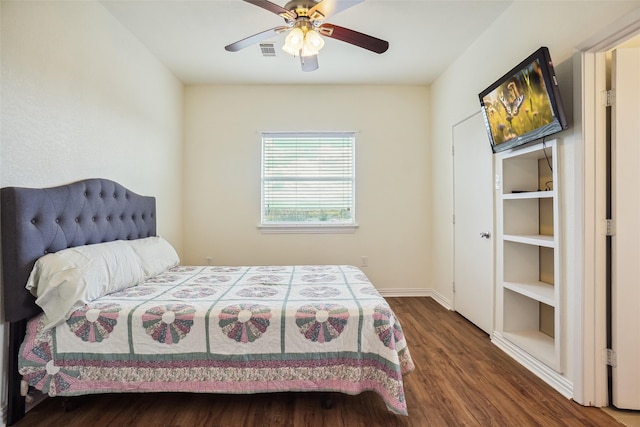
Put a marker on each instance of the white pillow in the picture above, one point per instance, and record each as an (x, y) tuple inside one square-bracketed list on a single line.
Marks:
[(156, 255), (66, 280)]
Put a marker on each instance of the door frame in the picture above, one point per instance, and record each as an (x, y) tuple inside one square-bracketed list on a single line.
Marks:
[(590, 382)]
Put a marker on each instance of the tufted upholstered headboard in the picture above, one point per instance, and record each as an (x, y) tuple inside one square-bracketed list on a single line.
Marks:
[(36, 221)]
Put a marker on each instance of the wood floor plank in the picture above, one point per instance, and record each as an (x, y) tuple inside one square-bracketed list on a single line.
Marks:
[(461, 379)]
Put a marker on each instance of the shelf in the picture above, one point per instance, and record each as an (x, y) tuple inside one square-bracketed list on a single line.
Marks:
[(529, 195), (528, 251), (539, 291), (537, 344), (536, 240), (536, 151)]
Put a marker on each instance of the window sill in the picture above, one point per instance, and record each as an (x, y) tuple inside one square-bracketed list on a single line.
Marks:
[(307, 228)]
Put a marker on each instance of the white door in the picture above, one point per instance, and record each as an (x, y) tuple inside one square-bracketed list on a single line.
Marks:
[(473, 222), (625, 206)]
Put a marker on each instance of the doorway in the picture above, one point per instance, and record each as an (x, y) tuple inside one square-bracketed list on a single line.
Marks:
[(591, 382), (623, 260)]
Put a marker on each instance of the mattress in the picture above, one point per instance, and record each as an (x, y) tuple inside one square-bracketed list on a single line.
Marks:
[(236, 329)]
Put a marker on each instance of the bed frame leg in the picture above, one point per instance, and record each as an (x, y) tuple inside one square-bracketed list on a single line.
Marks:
[(16, 402), (69, 404), (327, 401)]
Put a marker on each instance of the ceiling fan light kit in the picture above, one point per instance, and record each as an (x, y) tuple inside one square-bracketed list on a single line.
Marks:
[(305, 23), (312, 43), (294, 42)]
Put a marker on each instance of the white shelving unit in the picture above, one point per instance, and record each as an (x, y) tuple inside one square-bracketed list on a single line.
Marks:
[(528, 285)]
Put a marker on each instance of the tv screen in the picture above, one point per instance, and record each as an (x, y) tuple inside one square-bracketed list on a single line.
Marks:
[(524, 105)]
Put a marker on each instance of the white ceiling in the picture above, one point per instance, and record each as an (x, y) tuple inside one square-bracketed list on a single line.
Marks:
[(188, 36)]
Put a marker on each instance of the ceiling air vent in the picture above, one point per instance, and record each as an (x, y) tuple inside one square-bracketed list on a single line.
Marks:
[(268, 48)]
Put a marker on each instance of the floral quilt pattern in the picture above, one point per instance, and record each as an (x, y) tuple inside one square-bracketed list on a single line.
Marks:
[(216, 329)]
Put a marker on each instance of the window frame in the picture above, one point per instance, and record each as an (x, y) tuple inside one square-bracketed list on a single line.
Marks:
[(302, 226)]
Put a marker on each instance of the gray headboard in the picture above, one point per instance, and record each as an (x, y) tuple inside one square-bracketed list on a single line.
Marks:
[(36, 221)]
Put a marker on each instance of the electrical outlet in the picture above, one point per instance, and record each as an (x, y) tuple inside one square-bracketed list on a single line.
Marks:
[(364, 261)]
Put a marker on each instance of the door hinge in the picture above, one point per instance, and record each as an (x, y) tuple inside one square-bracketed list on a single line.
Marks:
[(609, 97), (610, 227), (454, 287), (453, 218), (611, 358)]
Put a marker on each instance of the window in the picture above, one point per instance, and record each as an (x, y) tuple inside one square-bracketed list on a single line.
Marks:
[(308, 180)]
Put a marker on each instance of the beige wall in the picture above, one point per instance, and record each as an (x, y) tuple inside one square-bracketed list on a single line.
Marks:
[(222, 155), (82, 98), (561, 26)]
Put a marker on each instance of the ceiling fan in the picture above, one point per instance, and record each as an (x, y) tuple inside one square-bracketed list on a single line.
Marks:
[(305, 23)]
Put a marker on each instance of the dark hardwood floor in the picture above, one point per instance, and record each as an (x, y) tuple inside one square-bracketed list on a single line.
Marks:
[(461, 379)]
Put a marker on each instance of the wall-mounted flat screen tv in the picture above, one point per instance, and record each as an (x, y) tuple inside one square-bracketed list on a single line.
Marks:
[(524, 105)]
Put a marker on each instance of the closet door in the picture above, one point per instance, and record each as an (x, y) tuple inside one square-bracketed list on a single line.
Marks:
[(625, 205), (473, 224)]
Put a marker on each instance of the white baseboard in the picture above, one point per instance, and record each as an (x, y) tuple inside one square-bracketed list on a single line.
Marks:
[(560, 383), (413, 292), (407, 292), (440, 299)]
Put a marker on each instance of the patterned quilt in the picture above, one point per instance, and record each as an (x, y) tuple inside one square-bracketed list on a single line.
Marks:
[(227, 330)]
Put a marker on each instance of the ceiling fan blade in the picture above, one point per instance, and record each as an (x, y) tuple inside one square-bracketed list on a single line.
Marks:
[(256, 38), (272, 7), (309, 63), (327, 8), (355, 38)]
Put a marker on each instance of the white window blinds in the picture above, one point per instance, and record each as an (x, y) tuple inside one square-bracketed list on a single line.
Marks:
[(308, 178)]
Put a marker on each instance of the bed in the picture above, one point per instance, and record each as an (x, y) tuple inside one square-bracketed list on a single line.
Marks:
[(154, 325)]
